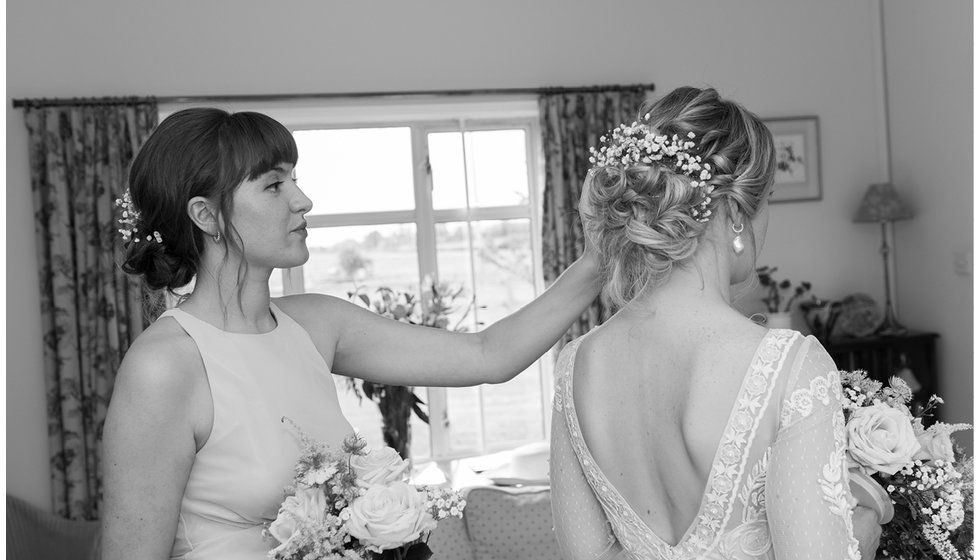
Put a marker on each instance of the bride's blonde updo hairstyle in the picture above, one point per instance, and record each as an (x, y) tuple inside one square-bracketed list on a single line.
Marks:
[(645, 218), (194, 152)]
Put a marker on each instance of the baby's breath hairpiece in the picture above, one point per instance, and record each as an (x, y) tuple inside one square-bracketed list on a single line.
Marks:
[(639, 144), (130, 216)]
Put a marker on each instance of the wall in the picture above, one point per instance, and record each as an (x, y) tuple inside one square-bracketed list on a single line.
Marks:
[(774, 56), (930, 94)]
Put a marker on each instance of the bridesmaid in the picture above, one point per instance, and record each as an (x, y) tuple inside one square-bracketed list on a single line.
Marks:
[(196, 457)]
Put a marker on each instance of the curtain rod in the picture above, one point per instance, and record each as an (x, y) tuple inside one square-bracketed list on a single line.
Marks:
[(352, 95)]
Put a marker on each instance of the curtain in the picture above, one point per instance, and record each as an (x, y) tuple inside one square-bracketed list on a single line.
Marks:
[(571, 122), (90, 310)]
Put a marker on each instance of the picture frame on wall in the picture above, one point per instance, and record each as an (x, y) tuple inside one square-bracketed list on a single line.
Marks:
[(797, 142)]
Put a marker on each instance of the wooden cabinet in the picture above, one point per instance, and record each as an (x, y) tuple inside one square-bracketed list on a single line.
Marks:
[(885, 356)]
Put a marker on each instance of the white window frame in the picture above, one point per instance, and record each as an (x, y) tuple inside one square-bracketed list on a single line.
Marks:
[(424, 116)]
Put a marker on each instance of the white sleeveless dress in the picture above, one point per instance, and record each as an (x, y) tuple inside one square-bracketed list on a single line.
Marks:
[(237, 479), (777, 489)]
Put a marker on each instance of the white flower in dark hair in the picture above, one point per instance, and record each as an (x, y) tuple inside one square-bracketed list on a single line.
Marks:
[(129, 218)]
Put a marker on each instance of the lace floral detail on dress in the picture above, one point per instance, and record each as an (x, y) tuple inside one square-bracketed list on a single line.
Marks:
[(729, 464), (738, 438), (801, 401), (833, 479), (749, 541), (753, 493)]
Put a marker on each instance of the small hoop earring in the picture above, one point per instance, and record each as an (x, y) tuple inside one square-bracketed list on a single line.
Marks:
[(216, 237), (737, 244)]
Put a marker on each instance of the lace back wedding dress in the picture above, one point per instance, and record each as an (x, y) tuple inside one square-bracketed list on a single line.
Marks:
[(777, 487)]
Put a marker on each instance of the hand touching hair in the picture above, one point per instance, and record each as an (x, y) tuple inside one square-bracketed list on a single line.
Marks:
[(642, 216)]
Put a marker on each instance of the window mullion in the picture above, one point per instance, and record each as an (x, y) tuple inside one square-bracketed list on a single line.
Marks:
[(428, 266), (292, 281), (536, 180), (424, 217)]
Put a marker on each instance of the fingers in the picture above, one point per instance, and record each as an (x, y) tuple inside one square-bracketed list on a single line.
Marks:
[(583, 200), (867, 531), (867, 516)]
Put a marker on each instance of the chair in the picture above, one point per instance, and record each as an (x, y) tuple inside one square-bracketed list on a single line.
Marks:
[(34, 534)]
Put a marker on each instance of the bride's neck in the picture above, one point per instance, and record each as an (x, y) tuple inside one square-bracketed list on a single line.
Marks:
[(704, 280)]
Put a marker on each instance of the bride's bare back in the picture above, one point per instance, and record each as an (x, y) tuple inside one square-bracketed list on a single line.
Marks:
[(670, 384), (724, 456)]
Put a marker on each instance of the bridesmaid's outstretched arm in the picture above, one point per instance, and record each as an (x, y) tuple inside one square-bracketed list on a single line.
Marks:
[(358, 343)]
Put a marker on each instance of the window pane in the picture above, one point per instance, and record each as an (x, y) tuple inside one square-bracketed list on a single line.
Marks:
[(497, 165), (275, 283), (464, 409), (342, 170), (362, 414), (511, 413), (501, 261), (343, 258)]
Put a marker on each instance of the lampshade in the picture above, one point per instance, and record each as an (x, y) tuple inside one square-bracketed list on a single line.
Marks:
[(882, 204)]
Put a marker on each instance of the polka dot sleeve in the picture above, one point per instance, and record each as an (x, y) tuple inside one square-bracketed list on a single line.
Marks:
[(807, 495)]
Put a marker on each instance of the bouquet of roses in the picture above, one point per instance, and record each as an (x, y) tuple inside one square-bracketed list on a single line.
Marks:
[(920, 483), (355, 504)]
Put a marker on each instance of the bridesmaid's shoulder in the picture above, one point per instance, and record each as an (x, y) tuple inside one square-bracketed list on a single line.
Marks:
[(163, 342), (163, 361)]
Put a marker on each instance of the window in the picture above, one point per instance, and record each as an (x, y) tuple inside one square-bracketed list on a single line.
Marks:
[(447, 190)]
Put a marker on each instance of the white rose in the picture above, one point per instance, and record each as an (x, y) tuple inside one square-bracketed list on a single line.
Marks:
[(880, 438), (936, 444), (386, 517), (379, 466), (307, 504)]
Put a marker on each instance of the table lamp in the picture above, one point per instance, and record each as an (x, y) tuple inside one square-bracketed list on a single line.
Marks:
[(882, 204)]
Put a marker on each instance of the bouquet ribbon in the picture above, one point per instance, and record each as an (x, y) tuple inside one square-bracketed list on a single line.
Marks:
[(417, 551), (871, 495)]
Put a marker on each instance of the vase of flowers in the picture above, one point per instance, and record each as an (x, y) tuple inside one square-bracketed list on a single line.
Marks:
[(780, 295), (820, 316), (395, 402)]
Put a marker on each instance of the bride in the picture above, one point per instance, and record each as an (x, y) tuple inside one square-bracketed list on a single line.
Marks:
[(681, 429)]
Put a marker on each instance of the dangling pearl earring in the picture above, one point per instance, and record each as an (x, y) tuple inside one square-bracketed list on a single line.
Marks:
[(216, 237), (737, 244)]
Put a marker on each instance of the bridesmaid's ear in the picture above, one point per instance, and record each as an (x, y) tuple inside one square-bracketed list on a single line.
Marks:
[(205, 215)]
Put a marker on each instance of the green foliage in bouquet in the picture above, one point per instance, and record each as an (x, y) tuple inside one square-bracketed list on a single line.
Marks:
[(396, 402)]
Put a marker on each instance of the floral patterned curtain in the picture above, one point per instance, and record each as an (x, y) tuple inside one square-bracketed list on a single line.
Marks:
[(571, 122), (90, 310)]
